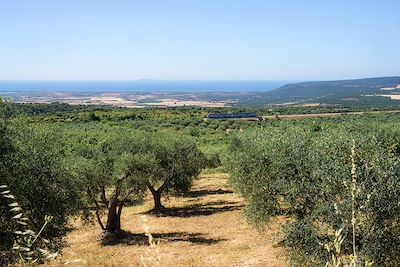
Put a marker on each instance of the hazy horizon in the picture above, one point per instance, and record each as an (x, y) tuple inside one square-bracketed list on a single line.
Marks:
[(127, 86), (149, 85)]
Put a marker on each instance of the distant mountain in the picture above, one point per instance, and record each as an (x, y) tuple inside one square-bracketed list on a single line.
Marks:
[(385, 89)]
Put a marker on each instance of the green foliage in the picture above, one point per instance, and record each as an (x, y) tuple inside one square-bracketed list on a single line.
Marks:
[(39, 177), (31, 163), (165, 163), (6, 227), (58, 158), (213, 161), (174, 157), (104, 163), (98, 159), (6, 108), (358, 92), (29, 245), (306, 175)]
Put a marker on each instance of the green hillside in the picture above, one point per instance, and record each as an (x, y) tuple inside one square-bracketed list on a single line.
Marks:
[(362, 91)]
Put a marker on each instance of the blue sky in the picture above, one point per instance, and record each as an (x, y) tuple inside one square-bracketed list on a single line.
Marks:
[(199, 39)]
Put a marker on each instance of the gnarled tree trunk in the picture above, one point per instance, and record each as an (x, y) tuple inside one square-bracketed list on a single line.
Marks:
[(114, 215), (115, 206), (158, 207)]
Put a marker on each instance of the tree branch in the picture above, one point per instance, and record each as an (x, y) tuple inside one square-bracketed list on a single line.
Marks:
[(120, 179), (103, 196), (125, 175), (127, 195), (167, 180), (165, 184), (151, 188), (98, 215)]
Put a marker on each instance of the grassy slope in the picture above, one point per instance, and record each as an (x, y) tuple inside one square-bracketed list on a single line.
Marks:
[(206, 228)]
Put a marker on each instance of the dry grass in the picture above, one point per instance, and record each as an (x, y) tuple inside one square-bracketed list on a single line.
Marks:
[(205, 228)]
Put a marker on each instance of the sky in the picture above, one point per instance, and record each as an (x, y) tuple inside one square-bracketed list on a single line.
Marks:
[(199, 39)]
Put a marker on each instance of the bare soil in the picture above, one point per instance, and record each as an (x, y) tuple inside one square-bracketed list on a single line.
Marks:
[(204, 228)]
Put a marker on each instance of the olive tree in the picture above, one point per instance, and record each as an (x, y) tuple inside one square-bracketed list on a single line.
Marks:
[(38, 177), (307, 176), (116, 168), (32, 166), (104, 166), (6, 227), (169, 164)]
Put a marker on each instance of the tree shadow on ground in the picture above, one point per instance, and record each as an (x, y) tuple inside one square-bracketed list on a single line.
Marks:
[(200, 209), (128, 238), (204, 192)]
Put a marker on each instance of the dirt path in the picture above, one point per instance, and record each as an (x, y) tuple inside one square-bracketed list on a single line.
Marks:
[(205, 228)]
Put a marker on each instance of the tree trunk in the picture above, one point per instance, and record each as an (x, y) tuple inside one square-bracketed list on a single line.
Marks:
[(98, 215), (157, 202), (114, 208), (114, 216), (158, 207)]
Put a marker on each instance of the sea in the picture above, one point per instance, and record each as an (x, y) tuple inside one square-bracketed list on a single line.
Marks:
[(137, 86)]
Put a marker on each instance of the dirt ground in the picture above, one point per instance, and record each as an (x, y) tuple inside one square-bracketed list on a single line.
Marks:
[(204, 228)]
